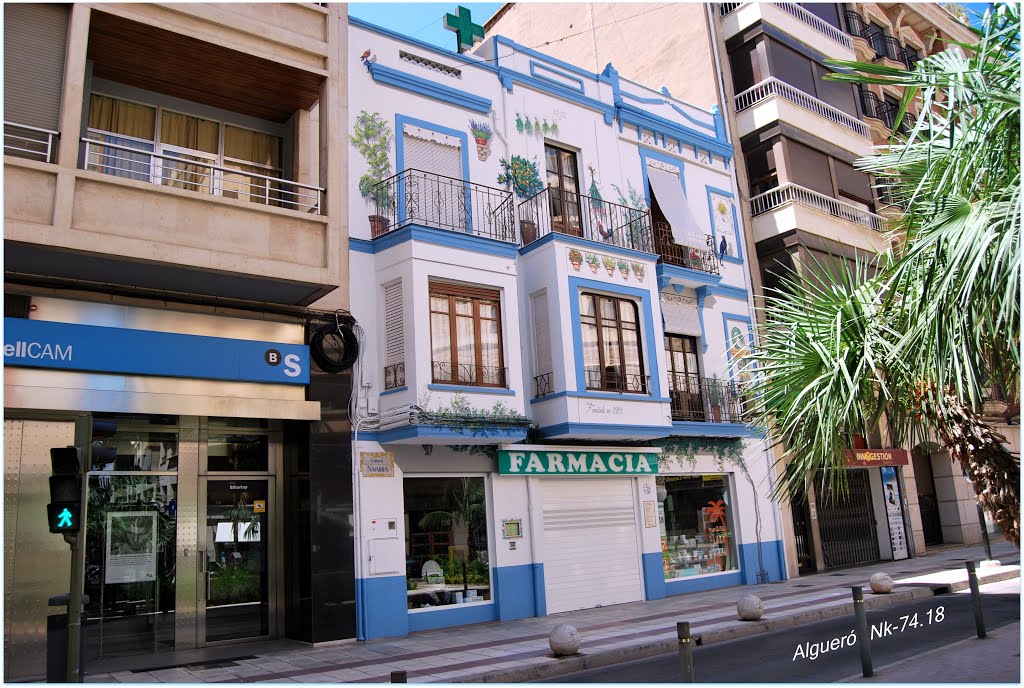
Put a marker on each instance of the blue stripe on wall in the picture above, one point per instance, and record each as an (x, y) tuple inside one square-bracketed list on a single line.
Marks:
[(516, 588), (654, 575), (772, 556), (383, 604), (699, 583), (452, 615)]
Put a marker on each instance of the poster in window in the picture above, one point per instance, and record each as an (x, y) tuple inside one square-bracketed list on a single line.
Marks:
[(131, 547), (722, 218), (894, 511), (739, 342)]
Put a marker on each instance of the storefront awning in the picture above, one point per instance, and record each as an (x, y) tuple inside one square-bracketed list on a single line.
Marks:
[(674, 206)]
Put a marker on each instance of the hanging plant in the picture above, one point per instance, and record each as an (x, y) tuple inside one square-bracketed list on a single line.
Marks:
[(724, 450)]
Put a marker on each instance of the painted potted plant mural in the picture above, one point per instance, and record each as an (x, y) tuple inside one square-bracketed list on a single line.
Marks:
[(623, 268), (482, 133), (521, 175), (372, 138), (609, 264), (715, 398), (638, 270), (592, 261), (576, 258)]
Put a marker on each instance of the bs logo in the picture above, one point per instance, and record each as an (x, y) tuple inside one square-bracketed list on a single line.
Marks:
[(291, 362)]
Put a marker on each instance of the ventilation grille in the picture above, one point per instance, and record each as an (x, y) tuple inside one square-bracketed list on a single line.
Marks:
[(17, 305), (430, 64)]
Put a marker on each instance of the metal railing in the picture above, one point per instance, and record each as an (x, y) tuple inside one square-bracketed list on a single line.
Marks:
[(799, 195), (433, 200), (816, 22), (193, 174), (725, 8), (570, 213), (467, 374), (884, 46), (611, 380), (706, 400), (877, 108), (394, 376), (693, 257), (23, 141), (773, 87), (543, 385)]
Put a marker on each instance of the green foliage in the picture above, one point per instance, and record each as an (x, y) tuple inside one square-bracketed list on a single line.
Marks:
[(480, 130), (521, 175), (725, 451), (372, 138), (235, 583), (477, 572), (636, 199), (592, 259), (459, 412)]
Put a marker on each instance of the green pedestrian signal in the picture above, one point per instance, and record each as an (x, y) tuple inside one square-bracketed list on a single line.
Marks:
[(65, 491), (64, 518)]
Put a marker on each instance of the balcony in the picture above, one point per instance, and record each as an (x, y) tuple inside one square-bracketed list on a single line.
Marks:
[(884, 46), (482, 376), (699, 399), (611, 379), (414, 197), (571, 214), (791, 18), (701, 258), (191, 173), (792, 194), (772, 87), (884, 111), (32, 143)]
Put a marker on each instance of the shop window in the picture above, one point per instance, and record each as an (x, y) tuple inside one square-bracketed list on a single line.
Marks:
[(697, 525), (610, 329), (465, 335), (446, 542), (119, 448), (237, 452)]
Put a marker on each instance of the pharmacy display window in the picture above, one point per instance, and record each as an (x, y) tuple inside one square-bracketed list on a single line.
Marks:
[(446, 542), (697, 525)]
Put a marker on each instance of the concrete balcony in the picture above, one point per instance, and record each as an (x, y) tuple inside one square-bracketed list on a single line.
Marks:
[(790, 207), (773, 100), (793, 20)]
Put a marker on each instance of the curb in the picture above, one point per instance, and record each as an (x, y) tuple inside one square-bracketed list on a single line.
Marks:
[(600, 658)]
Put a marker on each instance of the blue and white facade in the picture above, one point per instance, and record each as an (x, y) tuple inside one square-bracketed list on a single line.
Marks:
[(600, 309)]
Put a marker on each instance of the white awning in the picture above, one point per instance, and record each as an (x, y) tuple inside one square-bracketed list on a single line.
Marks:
[(674, 206), (680, 318)]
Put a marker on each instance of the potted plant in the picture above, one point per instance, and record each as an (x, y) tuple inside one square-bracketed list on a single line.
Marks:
[(482, 133), (576, 258), (638, 270), (623, 268), (371, 136), (609, 264), (715, 398), (592, 261), (521, 175)]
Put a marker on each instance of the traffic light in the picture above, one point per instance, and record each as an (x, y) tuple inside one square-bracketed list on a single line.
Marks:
[(65, 508)]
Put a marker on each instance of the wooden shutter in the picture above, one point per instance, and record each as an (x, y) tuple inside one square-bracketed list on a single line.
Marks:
[(394, 330), (541, 332), (35, 39)]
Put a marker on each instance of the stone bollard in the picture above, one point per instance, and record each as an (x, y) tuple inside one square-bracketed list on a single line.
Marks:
[(564, 640), (750, 607), (881, 583)]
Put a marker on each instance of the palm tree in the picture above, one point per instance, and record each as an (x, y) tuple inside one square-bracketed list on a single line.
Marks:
[(463, 503), (912, 341)]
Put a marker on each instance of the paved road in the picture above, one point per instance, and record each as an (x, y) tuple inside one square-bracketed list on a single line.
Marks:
[(785, 656)]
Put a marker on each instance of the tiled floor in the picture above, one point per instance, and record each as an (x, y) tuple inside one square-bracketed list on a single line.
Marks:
[(518, 650)]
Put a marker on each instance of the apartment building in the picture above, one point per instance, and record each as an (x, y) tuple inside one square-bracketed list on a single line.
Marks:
[(550, 410), (803, 201), (174, 236)]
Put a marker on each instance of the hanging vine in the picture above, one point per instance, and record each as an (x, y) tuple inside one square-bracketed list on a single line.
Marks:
[(679, 449)]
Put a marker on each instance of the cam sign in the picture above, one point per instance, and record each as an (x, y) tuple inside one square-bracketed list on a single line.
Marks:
[(577, 461)]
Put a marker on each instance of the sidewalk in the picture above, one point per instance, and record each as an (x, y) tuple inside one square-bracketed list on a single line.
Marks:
[(516, 651)]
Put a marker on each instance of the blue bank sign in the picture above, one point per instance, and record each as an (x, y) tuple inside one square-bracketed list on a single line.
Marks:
[(44, 344)]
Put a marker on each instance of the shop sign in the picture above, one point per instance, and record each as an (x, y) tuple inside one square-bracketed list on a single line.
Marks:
[(867, 458), (377, 464), (70, 346), (578, 461)]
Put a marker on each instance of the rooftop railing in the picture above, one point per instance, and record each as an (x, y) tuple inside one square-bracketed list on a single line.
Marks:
[(182, 171), (566, 212), (433, 200), (34, 143), (773, 87), (799, 195), (795, 10), (701, 258)]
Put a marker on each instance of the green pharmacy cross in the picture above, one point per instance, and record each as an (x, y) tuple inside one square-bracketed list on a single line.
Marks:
[(462, 24)]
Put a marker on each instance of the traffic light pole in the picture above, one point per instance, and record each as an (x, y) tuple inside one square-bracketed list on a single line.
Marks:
[(74, 636)]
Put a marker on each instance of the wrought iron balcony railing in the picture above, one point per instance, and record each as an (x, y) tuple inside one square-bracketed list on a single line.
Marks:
[(193, 174), (433, 200), (877, 108), (799, 195), (693, 257), (468, 374), (543, 385), (612, 380), (566, 212), (23, 141), (394, 376), (773, 87), (885, 46), (696, 398)]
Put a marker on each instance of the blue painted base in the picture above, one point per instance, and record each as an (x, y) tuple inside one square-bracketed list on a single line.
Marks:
[(699, 583), (453, 615), (520, 591), (382, 607), (773, 556), (654, 576)]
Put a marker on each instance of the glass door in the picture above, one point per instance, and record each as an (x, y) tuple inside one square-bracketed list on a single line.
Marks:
[(235, 577), (564, 193)]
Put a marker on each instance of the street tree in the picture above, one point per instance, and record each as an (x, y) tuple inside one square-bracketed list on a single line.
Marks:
[(912, 339)]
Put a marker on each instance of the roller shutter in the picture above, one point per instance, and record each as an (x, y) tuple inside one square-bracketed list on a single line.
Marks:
[(35, 38)]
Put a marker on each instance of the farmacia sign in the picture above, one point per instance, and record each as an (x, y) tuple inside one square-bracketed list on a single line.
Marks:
[(532, 460)]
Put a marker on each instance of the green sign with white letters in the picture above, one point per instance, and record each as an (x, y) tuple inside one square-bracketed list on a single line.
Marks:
[(578, 461)]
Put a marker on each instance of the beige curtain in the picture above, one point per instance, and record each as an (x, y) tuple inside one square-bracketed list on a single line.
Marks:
[(260, 149), (121, 117), (193, 133)]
